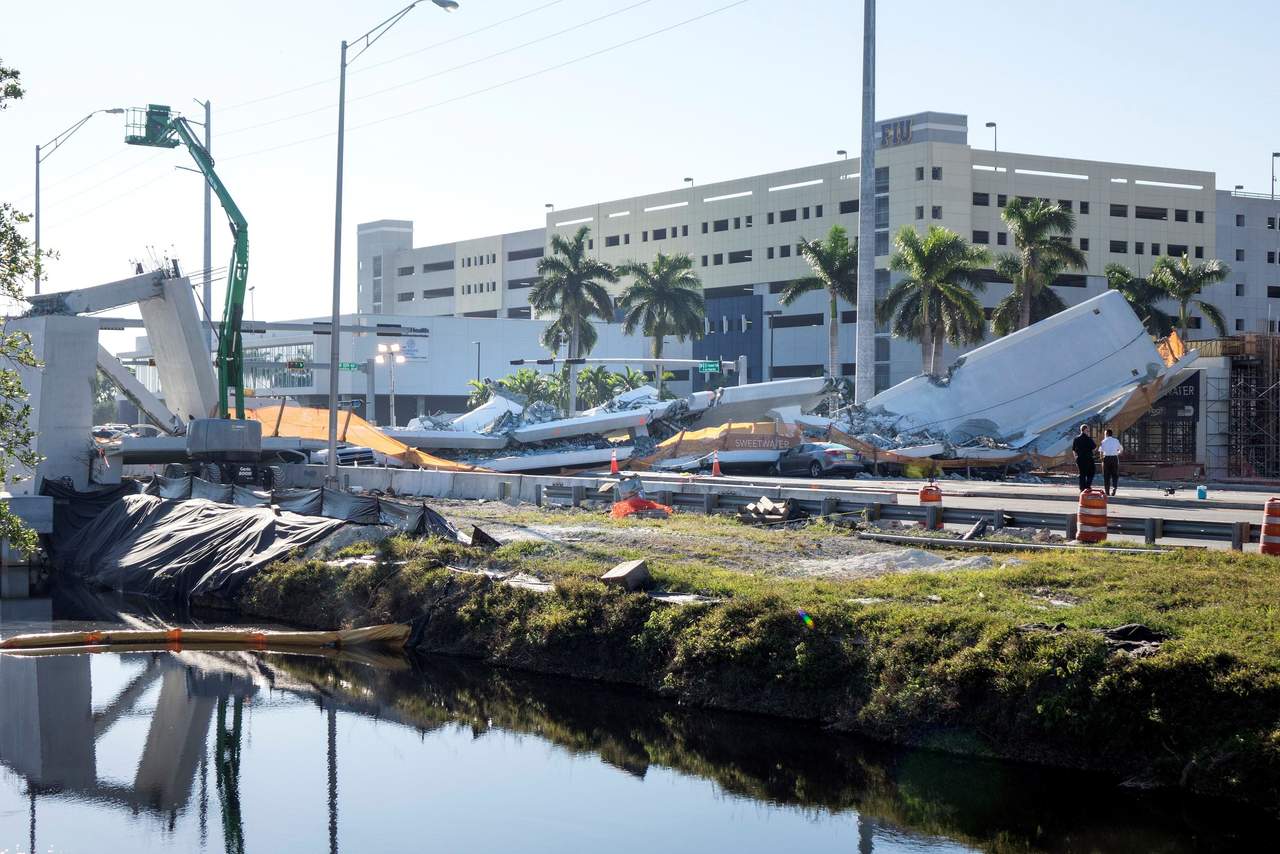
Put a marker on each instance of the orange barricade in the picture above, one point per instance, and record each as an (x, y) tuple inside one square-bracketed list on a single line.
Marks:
[(1091, 523), (931, 494), (1270, 538)]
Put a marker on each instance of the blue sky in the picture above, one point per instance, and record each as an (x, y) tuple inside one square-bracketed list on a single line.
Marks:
[(749, 87)]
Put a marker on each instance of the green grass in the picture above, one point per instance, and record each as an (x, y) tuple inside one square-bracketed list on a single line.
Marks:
[(944, 660)]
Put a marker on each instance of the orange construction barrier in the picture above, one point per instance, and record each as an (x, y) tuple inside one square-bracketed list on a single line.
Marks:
[(1270, 538), (1091, 523), (613, 462), (931, 493), (715, 464)]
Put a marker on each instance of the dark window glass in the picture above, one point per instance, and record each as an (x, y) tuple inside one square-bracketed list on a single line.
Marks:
[(1120, 210), (1084, 244), (1147, 212), (404, 271), (768, 218), (787, 215), (720, 225), (789, 321), (704, 228), (1273, 292), (704, 260), (1120, 246), (1240, 220), (1137, 247), (438, 266), (405, 297), (817, 213), (1084, 207), (1200, 216), (684, 231), (982, 237), (937, 173), (436, 293), (882, 243), (1180, 215), (848, 207), (521, 284), (937, 212), (1002, 238), (785, 251), (1199, 251), (1155, 248), (882, 179), (919, 173), (1001, 200), (644, 237), (747, 220), (659, 234), (805, 212), (522, 254), (1239, 254), (626, 239), (982, 200), (1065, 204), (737, 222), (848, 317), (613, 240), (919, 211), (769, 253), (742, 256), (717, 259)]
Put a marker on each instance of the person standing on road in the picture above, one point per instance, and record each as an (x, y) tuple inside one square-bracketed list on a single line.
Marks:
[(1083, 447), (1111, 449)]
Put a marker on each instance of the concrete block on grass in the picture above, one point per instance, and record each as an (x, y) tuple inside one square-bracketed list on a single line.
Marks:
[(632, 575)]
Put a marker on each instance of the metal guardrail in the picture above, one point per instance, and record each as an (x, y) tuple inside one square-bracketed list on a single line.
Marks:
[(820, 503)]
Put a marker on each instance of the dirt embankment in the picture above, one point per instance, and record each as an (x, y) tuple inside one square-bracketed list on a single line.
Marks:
[(1010, 659)]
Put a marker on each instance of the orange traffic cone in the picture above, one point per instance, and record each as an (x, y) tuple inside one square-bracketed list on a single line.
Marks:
[(715, 464), (613, 462)]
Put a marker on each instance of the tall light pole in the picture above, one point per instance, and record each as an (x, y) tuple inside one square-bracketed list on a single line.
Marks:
[(864, 380), (42, 154), (1274, 155), (369, 39), (390, 355), (840, 152), (477, 343), (206, 293), (689, 181), (995, 136)]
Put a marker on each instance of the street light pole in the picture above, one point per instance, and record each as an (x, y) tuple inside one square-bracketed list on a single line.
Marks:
[(1274, 155), (390, 355), (477, 343), (772, 314), (42, 154), (995, 136), (864, 380), (369, 39)]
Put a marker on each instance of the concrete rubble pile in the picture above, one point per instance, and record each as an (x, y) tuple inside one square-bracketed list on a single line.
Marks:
[(1018, 400)]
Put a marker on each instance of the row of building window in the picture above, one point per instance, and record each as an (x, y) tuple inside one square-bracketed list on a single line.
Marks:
[(935, 172), (480, 260), (480, 288), (1154, 213), (849, 206), (983, 200), (1173, 250)]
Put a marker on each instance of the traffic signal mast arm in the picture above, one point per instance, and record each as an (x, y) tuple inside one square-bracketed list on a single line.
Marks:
[(163, 129)]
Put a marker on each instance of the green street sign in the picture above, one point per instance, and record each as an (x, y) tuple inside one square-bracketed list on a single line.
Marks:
[(348, 366), (709, 368)]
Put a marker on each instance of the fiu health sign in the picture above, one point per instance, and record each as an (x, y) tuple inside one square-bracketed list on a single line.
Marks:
[(895, 133)]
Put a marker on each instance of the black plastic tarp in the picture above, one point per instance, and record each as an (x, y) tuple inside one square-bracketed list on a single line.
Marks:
[(73, 510), (361, 509), (173, 488), (183, 549), (308, 502)]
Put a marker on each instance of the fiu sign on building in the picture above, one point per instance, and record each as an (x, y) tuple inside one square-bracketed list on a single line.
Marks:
[(895, 133)]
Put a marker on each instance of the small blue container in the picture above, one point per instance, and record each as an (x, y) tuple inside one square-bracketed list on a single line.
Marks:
[(1202, 492)]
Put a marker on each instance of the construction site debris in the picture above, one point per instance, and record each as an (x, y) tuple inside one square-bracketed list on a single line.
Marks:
[(630, 575), (641, 507), (766, 511)]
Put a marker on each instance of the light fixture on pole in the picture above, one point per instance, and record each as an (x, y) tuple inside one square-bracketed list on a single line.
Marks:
[(369, 39), (772, 314), (1274, 155), (995, 136), (390, 355), (689, 181), (253, 312), (42, 154), (840, 152), (550, 206)]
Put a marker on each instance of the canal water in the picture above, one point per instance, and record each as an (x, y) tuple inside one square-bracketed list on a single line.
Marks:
[(187, 751)]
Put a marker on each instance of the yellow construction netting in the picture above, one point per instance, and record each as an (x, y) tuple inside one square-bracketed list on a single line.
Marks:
[(1171, 349), (305, 423), (737, 436)]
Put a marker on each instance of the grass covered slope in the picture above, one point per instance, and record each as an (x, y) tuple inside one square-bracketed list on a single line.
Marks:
[(1007, 662)]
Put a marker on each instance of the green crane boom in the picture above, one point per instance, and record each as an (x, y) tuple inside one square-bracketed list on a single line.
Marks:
[(159, 127)]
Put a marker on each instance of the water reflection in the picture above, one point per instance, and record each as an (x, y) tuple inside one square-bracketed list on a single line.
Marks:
[(94, 739)]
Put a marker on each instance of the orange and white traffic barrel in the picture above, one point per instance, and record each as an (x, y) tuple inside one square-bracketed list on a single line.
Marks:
[(931, 496), (1091, 523), (1270, 538)]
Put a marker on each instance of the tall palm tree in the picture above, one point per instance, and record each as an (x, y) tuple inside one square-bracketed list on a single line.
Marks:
[(935, 302), (1143, 295), (1183, 282), (1042, 235), (571, 284), (834, 262), (1007, 315), (665, 299)]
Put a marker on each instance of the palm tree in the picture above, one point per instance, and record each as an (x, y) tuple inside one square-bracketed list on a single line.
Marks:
[(1007, 315), (525, 382), (570, 285), (1183, 282), (597, 385), (665, 299), (1142, 294), (479, 392), (630, 379), (1042, 235), (935, 302), (834, 262)]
